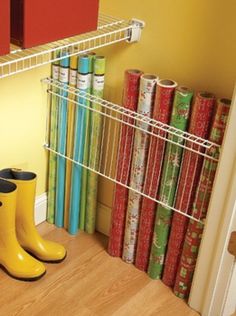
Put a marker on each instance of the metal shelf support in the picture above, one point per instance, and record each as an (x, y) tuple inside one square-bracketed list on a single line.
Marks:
[(110, 31)]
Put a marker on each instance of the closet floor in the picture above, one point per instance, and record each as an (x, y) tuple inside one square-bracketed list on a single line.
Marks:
[(88, 282)]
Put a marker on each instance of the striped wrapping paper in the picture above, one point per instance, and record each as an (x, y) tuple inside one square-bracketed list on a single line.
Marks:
[(161, 112), (169, 179), (130, 101), (140, 151), (95, 143), (79, 139), (190, 172), (61, 143), (201, 201), (52, 167), (91, 57), (70, 138)]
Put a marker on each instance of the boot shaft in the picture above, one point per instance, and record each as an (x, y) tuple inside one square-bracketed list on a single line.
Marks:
[(8, 194), (26, 189)]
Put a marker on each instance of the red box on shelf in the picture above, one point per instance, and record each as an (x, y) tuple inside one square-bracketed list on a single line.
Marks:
[(36, 22), (4, 27)]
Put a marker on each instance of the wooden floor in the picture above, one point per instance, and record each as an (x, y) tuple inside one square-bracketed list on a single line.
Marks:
[(88, 282)]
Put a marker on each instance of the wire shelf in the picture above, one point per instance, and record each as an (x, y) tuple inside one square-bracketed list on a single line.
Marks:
[(113, 117), (110, 31), (138, 121)]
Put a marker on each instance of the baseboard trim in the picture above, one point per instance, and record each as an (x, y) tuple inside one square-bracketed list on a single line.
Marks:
[(103, 214), (40, 214)]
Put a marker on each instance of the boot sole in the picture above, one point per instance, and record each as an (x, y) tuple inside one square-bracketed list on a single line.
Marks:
[(47, 261), (22, 279)]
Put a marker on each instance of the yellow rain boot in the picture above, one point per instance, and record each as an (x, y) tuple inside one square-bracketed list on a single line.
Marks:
[(15, 260), (26, 231)]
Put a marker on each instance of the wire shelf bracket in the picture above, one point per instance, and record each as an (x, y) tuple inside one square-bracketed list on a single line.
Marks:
[(110, 31)]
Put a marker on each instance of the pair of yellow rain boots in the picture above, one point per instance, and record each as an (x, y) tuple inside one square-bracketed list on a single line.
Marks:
[(19, 238)]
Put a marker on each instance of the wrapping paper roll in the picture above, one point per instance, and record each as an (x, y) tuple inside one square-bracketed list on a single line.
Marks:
[(200, 123), (53, 144), (130, 101), (79, 139), (70, 137), (169, 180), (201, 202), (161, 112), (140, 151), (95, 142), (91, 57), (61, 144)]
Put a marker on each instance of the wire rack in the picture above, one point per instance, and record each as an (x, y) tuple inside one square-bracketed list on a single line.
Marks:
[(110, 31), (113, 118)]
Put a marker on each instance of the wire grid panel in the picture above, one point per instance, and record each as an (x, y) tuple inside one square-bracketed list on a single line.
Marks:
[(116, 122), (110, 31)]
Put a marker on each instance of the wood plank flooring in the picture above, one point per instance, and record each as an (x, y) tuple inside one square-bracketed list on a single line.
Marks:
[(88, 283)]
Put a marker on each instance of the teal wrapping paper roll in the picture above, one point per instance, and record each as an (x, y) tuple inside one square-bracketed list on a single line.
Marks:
[(79, 139), (95, 142), (61, 146), (53, 144), (91, 57)]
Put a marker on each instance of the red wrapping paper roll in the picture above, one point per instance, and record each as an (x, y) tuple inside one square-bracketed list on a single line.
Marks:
[(201, 202), (146, 101), (130, 101), (190, 172), (161, 112)]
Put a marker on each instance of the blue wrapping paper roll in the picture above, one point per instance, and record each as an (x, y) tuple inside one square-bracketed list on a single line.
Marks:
[(79, 140), (83, 204), (61, 144)]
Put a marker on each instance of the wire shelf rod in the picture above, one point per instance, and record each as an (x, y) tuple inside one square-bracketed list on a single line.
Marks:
[(46, 146)]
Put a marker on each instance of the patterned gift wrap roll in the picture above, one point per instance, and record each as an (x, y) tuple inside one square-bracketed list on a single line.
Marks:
[(91, 57), (61, 143), (70, 136), (95, 143), (140, 151), (201, 201), (162, 110), (200, 123), (169, 180), (53, 144), (79, 138), (130, 101)]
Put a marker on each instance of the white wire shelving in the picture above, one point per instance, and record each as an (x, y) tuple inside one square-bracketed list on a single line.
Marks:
[(110, 31), (113, 118)]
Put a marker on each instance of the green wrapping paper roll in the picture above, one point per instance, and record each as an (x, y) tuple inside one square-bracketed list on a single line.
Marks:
[(138, 167), (70, 138), (61, 141), (95, 142), (53, 145), (86, 149), (169, 179), (194, 232)]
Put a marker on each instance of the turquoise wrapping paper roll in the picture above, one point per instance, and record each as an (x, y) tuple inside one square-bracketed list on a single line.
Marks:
[(61, 146), (83, 201), (79, 140)]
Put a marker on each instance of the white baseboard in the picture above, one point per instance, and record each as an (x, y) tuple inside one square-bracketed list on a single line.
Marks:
[(40, 209), (103, 214)]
